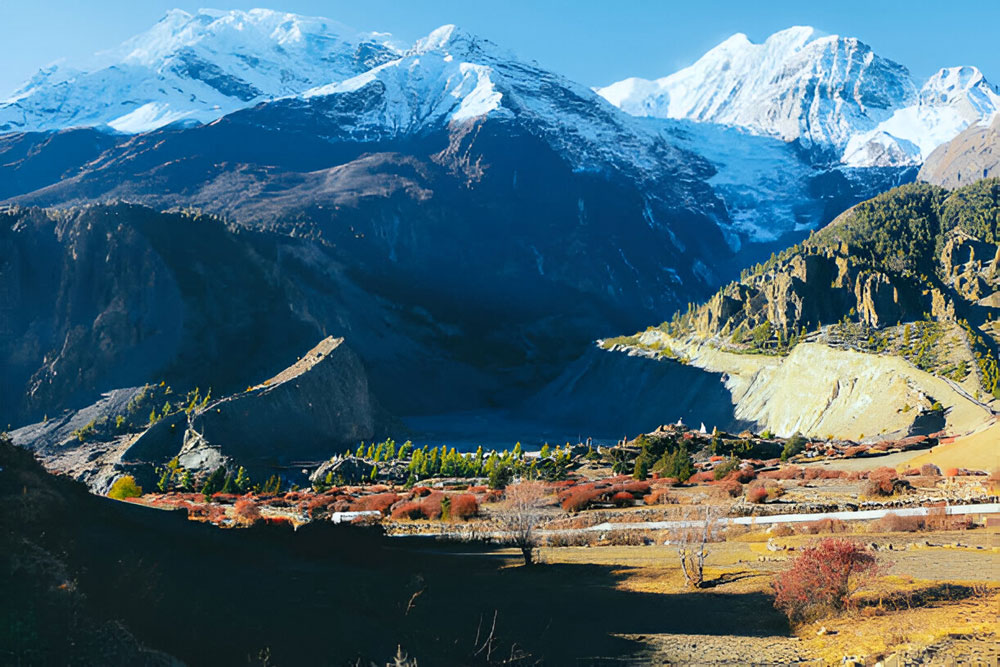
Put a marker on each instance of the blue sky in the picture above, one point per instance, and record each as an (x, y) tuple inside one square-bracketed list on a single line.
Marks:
[(590, 41)]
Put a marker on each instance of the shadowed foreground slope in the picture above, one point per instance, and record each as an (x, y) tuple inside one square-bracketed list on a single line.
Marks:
[(322, 595)]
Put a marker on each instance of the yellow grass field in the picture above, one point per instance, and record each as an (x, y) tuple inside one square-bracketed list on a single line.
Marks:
[(980, 451)]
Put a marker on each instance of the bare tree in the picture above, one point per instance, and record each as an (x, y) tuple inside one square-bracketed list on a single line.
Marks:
[(520, 513), (698, 525)]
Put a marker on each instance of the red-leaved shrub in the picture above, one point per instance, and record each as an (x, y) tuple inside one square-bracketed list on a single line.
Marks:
[(822, 526), (756, 493), (822, 578), (246, 511), (408, 510), (464, 506), (731, 487), (622, 499), (894, 523), (702, 477), (658, 496), (880, 482), (377, 502)]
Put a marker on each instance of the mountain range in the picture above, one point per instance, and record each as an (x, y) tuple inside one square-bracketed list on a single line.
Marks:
[(468, 220)]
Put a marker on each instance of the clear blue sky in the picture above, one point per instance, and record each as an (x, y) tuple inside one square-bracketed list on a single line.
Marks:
[(592, 41)]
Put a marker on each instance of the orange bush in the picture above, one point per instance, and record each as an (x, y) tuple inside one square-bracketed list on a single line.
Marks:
[(408, 510), (246, 511), (430, 505), (702, 477), (756, 494), (880, 482), (464, 506), (823, 526), (731, 487), (622, 499), (580, 498), (658, 496), (894, 523), (377, 502)]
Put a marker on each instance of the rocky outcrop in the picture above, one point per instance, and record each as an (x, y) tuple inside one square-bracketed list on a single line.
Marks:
[(347, 470), (972, 155), (310, 410), (811, 289)]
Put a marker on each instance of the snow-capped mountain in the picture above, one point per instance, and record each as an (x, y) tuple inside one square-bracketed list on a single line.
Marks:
[(826, 92), (952, 100), (452, 76), (194, 67)]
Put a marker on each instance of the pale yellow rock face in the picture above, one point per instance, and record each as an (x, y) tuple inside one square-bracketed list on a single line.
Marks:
[(820, 391)]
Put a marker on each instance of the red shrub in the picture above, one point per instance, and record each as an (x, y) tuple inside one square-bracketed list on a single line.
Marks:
[(659, 496), (278, 520), (894, 523), (407, 510), (702, 477), (880, 482), (464, 506), (431, 505), (823, 526), (951, 472), (822, 578), (634, 487), (622, 499), (420, 491), (246, 511), (743, 475), (493, 496), (580, 498), (756, 494), (377, 502), (731, 487)]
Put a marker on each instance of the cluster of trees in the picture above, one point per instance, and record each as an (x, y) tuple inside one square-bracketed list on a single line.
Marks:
[(668, 456), (989, 369), (174, 477), (498, 467), (192, 401)]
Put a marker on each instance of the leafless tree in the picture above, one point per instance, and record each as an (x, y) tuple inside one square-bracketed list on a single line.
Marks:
[(520, 513), (698, 525)]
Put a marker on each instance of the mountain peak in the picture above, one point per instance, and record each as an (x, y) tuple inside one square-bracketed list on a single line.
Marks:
[(196, 67)]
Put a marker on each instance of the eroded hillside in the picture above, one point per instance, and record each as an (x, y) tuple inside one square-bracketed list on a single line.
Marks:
[(887, 314)]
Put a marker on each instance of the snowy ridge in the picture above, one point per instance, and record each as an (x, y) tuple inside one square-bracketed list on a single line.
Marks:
[(194, 67), (952, 100), (824, 91), (452, 76)]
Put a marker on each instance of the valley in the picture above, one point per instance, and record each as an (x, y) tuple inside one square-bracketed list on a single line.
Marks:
[(323, 346)]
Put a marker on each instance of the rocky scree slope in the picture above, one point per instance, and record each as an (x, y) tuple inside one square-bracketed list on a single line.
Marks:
[(912, 273), (972, 155)]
